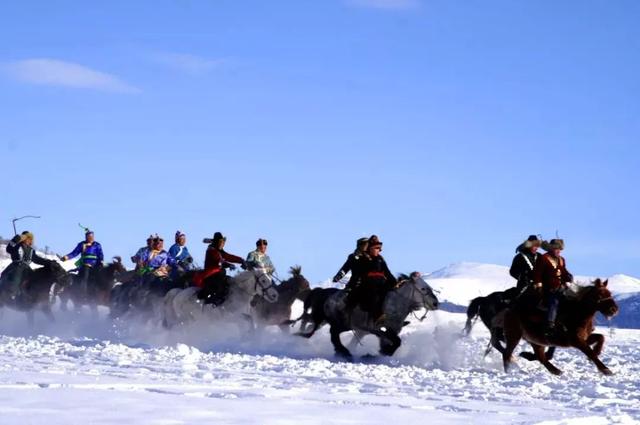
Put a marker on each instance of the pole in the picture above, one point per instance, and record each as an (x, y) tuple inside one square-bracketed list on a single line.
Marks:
[(15, 232)]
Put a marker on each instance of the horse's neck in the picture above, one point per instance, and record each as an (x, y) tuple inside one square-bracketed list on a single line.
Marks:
[(245, 281), (402, 299), (287, 291), (582, 311)]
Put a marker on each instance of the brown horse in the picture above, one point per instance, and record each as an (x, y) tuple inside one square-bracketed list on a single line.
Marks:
[(576, 313), (98, 292), (279, 313)]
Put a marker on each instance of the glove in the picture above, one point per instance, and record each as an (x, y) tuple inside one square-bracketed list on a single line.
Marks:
[(229, 266), (243, 265), (16, 239), (63, 258), (188, 260), (570, 277), (339, 276)]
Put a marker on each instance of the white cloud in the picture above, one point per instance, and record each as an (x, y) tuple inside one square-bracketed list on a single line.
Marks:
[(189, 64), (386, 4), (54, 72)]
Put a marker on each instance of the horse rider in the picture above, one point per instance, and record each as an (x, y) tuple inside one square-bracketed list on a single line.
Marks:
[(91, 258), (550, 275), (20, 248), (259, 260), (155, 264), (376, 282), (524, 262), (351, 265), (180, 259), (142, 253), (213, 279)]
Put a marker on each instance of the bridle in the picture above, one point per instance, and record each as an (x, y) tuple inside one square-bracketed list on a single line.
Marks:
[(424, 304)]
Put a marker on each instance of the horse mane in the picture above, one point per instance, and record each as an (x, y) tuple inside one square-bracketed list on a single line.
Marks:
[(580, 291), (295, 271)]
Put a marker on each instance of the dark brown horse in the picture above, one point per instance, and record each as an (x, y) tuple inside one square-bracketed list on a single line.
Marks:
[(98, 290), (39, 288), (279, 313), (576, 314)]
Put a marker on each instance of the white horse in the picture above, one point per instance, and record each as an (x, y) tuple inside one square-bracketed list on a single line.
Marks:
[(412, 294), (182, 305)]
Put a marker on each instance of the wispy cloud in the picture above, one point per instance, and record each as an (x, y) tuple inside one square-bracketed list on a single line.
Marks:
[(386, 4), (53, 72), (189, 64)]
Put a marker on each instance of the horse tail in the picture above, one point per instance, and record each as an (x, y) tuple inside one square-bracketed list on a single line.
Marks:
[(472, 312)]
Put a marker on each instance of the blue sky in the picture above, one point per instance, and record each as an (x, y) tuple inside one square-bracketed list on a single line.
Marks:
[(451, 129)]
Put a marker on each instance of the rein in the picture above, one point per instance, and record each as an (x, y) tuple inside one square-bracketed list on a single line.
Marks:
[(424, 299)]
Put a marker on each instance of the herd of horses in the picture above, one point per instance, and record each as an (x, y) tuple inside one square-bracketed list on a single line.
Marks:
[(258, 301)]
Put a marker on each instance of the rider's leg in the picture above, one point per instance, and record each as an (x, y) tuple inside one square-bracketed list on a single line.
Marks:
[(83, 274), (553, 302), (14, 280)]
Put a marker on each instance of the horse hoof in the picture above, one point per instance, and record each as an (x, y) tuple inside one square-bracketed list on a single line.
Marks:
[(606, 371), (556, 372)]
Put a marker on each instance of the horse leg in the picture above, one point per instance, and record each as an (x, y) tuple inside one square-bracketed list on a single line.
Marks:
[(597, 341), (389, 343), (340, 349), (590, 353), (495, 341), (542, 358), (512, 334)]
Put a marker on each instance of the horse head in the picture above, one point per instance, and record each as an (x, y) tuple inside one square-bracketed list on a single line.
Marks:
[(117, 267), (58, 274), (298, 282), (603, 299), (420, 291)]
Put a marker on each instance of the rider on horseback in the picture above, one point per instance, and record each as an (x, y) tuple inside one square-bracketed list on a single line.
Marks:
[(550, 275), (91, 257), (352, 265), (142, 253), (180, 259), (155, 262), (524, 262), (259, 260), (376, 280), (214, 277), (22, 255)]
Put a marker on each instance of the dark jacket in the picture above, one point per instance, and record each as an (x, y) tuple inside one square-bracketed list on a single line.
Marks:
[(551, 272), (522, 267), (23, 253), (353, 265), (374, 271)]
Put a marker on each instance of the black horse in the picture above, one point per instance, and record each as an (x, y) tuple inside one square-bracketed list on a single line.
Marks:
[(490, 309), (313, 311), (98, 289), (39, 288)]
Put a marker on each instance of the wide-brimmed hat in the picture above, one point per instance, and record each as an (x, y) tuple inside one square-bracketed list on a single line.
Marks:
[(217, 236), (553, 244)]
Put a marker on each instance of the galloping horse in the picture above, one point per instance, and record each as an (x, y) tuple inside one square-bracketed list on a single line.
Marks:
[(576, 314), (39, 290), (279, 313), (182, 305), (98, 290), (411, 294)]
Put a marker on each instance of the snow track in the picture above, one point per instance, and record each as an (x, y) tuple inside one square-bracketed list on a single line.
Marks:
[(82, 370)]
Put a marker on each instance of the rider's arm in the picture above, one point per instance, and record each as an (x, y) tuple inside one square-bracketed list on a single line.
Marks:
[(77, 251), (538, 271), (391, 279), (516, 266), (252, 261), (230, 258), (99, 253), (346, 267)]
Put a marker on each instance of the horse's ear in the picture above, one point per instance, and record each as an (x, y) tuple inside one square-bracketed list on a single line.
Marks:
[(598, 283), (605, 283)]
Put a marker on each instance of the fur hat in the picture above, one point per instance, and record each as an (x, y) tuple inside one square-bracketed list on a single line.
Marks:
[(362, 242), (553, 244), (26, 235), (374, 241), (262, 242), (179, 234)]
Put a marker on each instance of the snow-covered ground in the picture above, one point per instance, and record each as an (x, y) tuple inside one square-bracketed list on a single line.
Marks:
[(84, 369)]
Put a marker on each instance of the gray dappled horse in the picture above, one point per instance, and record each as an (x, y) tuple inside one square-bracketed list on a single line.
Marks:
[(411, 294), (182, 305)]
